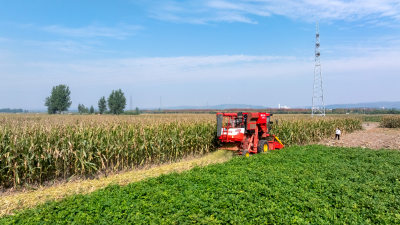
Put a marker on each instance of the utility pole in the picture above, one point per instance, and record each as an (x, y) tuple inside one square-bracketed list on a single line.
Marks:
[(160, 103), (318, 105), (130, 103)]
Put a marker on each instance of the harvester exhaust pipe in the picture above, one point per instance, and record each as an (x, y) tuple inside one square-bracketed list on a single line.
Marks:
[(219, 125)]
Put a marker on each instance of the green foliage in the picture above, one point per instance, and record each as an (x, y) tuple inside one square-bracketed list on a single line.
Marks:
[(372, 118), (390, 122), (364, 111), (34, 151), (8, 110), (82, 109), (136, 112), (37, 153), (297, 185), (102, 105), (91, 111), (116, 102), (59, 100)]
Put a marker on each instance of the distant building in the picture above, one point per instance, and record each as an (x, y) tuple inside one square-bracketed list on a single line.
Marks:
[(283, 106)]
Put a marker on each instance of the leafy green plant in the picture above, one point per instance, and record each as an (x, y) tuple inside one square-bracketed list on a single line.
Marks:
[(300, 184)]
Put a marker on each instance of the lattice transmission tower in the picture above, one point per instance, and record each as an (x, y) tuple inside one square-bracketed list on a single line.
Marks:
[(318, 106)]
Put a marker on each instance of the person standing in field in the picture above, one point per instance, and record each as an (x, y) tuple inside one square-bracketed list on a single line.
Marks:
[(338, 133)]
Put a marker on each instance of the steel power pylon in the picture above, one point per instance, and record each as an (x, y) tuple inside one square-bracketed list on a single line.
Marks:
[(318, 106)]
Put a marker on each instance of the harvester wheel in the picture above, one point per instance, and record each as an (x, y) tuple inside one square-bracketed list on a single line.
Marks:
[(245, 153), (262, 146)]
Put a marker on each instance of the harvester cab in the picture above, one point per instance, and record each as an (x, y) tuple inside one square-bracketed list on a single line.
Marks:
[(247, 133)]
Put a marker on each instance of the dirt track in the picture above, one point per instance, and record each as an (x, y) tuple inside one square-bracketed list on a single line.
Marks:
[(371, 136)]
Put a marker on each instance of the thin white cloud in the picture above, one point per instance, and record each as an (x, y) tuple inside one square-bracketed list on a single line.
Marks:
[(2, 39), (197, 12), (371, 46), (370, 11), (292, 77), (184, 68), (62, 46), (117, 32), (194, 68)]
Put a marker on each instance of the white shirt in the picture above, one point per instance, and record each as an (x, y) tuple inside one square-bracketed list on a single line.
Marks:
[(338, 131)]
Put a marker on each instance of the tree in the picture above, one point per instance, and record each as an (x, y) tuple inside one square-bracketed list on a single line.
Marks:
[(116, 102), (91, 110), (102, 105), (137, 111), (82, 109), (59, 100)]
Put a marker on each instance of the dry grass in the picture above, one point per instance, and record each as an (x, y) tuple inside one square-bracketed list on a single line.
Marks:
[(14, 201)]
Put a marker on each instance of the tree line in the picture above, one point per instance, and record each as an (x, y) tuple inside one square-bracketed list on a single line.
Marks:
[(8, 110), (60, 100)]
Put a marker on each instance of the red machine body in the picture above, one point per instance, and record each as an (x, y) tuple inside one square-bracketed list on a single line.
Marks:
[(247, 132)]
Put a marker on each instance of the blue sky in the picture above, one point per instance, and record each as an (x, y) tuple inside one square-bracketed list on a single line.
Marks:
[(196, 53)]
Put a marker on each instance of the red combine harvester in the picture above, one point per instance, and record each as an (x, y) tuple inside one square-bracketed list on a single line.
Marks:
[(247, 132)]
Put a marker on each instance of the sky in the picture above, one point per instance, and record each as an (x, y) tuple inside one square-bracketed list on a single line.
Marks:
[(198, 52)]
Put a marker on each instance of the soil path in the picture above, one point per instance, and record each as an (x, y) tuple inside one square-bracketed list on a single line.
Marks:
[(14, 200), (372, 136)]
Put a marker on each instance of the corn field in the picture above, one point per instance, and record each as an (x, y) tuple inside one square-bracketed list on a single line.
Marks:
[(390, 122), (307, 131), (39, 148)]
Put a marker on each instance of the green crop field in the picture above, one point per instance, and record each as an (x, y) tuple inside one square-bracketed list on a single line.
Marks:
[(35, 149), (300, 184)]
